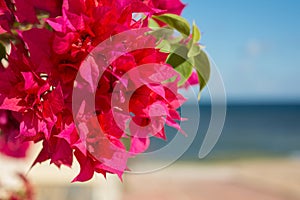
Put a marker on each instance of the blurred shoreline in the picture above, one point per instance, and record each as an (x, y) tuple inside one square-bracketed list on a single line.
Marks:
[(260, 179), (250, 130)]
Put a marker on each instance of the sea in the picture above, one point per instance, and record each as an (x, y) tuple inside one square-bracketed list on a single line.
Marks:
[(250, 131)]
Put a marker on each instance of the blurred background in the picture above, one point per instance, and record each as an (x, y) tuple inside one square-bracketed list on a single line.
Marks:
[(255, 46)]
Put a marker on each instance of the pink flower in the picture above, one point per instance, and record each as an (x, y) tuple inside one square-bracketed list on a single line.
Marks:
[(47, 55)]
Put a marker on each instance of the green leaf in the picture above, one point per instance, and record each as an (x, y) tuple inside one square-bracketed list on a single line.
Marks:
[(126, 142), (202, 65), (178, 56), (194, 50), (175, 40), (196, 33), (180, 62), (164, 46), (190, 44), (162, 33), (153, 24), (2, 51), (185, 70), (176, 22)]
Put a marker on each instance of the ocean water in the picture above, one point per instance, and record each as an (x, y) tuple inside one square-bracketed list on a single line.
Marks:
[(249, 131)]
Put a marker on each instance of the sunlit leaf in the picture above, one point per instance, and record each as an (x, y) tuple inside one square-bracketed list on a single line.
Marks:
[(176, 22), (164, 46), (196, 33), (178, 56), (185, 70), (202, 65), (194, 50), (161, 33), (153, 24), (126, 142)]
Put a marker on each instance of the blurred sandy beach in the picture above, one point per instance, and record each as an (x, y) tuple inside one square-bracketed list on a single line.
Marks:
[(259, 179), (244, 179)]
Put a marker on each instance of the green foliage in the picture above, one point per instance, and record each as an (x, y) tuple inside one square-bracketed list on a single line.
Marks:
[(196, 33), (126, 142), (178, 56), (164, 46), (177, 22), (153, 24), (185, 51), (194, 50), (185, 70), (202, 65)]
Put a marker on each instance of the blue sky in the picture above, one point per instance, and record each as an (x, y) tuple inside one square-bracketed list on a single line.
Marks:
[(255, 44)]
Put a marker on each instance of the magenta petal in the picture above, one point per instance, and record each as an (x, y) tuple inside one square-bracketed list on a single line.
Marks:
[(102, 168), (28, 127), (193, 80), (62, 154), (90, 72), (3, 6), (67, 133), (43, 155), (6, 18), (25, 11), (39, 46), (30, 83), (117, 164), (174, 115), (9, 103), (2, 30), (57, 24), (61, 45), (170, 6), (81, 146), (56, 100), (86, 168), (161, 134), (31, 125), (158, 89), (53, 7), (75, 6), (139, 145)]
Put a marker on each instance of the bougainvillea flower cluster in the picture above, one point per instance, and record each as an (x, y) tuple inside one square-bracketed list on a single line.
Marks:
[(49, 42)]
